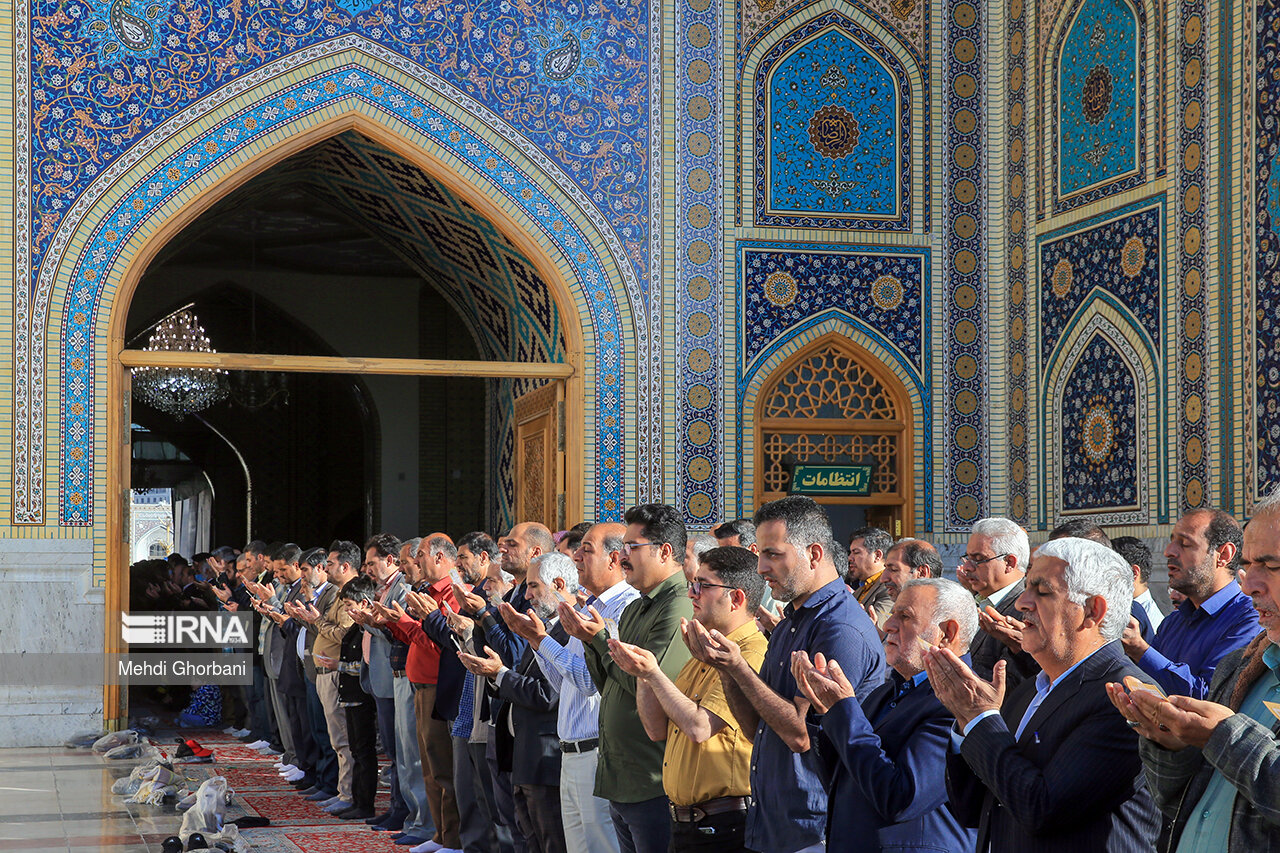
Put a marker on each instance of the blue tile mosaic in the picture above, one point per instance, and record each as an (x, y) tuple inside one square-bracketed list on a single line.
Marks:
[(571, 75), (1099, 97), (882, 289), (1099, 438), (833, 130), (1122, 256), (1266, 307)]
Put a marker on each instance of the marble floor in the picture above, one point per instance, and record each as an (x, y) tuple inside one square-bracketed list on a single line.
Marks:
[(56, 799)]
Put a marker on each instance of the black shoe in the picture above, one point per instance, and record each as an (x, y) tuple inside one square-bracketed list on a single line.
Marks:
[(305, 782), (306, 792), (382, 818), (394, 824), (355, 813), (172, 844), (195, 841)]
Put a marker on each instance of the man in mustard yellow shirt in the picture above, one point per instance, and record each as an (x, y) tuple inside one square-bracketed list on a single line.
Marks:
[(706, 771)]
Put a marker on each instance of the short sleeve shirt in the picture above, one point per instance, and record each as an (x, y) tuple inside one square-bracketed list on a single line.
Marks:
[(693, 773)]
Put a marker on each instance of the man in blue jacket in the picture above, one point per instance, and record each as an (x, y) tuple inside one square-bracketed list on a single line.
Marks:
[(891, 750)]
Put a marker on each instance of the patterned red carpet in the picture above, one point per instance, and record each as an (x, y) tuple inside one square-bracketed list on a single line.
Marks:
[(297, 826)]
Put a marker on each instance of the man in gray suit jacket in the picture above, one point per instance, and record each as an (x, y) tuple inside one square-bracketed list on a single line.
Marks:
[(993, 568)]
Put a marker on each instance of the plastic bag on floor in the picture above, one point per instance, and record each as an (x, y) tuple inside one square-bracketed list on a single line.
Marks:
[(84, 740), (108, 742)]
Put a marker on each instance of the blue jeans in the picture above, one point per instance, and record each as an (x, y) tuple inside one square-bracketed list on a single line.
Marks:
[(387, 733), (643, 827), (409, 765)]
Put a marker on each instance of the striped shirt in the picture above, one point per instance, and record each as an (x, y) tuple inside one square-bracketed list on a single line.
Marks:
[(578, 716)]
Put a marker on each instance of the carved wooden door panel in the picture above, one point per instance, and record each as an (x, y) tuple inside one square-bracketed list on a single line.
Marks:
[(539, 480)]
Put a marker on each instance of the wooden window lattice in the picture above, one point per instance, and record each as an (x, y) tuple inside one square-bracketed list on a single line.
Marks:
[(830, 384)]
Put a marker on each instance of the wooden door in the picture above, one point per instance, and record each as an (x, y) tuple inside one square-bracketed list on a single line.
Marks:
[(540, 473)]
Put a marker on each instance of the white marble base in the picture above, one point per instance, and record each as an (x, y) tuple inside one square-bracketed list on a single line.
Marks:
[(48, 605)]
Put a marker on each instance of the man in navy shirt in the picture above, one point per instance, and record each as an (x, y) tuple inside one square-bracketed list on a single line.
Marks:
[(1215, 620), (791, 765)]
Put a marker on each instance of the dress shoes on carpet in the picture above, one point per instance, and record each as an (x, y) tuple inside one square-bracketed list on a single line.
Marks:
[(354, 813)]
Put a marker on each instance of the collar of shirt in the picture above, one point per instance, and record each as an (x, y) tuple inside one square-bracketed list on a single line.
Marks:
[(869, 582), (819, 595), (667, 587), (318, 591), (440, 587), (996, 597), (1215, 602), (746, 629), (1044, 687), (395, 576), (613, 592), (1271, 657)]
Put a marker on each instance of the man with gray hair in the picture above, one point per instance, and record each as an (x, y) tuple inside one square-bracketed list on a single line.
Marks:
[(1211, 763), (696, 545), (527, 744), (892, 744), (1051, 766), (994, 567)]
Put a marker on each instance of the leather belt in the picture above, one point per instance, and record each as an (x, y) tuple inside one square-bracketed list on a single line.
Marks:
[(720, 805), (584, 745), (397, 673)]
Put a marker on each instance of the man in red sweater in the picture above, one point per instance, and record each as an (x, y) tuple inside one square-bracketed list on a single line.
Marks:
[(429, 572)]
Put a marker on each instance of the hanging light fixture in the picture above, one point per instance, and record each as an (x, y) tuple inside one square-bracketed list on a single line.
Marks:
[(179, 391)]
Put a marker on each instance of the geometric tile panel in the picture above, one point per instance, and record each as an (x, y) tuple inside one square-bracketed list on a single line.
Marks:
[(833, 131), (1266, 308), (573, 78), (1099, 438), (965, 355), (783, 285), (1017, 231), (419, 213), (1098, 127), (699, 333), (1190, 207), (1122, 256)]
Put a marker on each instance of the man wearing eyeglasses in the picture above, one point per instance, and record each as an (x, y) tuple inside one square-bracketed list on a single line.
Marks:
[(629, 768), (706, 770), (993, 567)]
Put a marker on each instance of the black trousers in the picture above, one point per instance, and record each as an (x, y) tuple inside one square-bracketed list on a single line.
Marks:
[(306, 753), (362, 728), (720, 833)]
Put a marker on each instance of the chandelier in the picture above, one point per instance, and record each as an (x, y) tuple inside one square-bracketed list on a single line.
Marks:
[(179, 391)]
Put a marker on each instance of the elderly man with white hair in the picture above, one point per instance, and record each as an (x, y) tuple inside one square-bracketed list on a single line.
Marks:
[(1212, 764), (994, 567), (1051, 766), (892, 744)]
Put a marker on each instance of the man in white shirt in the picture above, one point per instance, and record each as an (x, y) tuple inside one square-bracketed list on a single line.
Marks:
[(587, 824), (1138, 556)]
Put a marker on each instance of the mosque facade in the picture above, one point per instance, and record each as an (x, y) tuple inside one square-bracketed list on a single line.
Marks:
[(1014, 258)]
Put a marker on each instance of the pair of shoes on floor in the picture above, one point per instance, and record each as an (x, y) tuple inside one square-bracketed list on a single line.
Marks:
[(338, 805), (191, 752), (354, 813), (234, 732)]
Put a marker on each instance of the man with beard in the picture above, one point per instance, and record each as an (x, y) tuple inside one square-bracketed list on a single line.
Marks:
[(527, 745), (1211, 764), (629, 770), (707, 767), (790, 774), (1217, 618), (587, 824)]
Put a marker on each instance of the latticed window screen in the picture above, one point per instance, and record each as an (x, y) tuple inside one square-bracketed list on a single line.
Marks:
[(830, 409)]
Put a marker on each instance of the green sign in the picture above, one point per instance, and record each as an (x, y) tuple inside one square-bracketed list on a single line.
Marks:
[(831, 480)]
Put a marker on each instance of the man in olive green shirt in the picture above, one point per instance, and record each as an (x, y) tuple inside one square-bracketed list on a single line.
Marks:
[(629, 771)]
